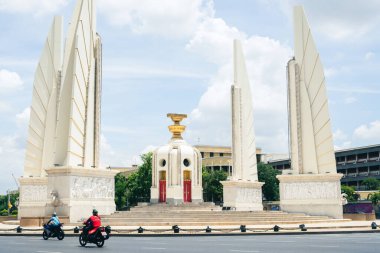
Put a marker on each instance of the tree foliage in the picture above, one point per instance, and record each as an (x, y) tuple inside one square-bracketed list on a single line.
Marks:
[(120, 191), (4, 202), (212, 188), (138, 183), (352, 196), (371, 183), (267, 174), (374, 197)]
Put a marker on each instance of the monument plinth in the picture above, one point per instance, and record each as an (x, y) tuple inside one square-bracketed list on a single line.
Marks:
[(312, 185), (317, 194), (80, 190), (176, 169)]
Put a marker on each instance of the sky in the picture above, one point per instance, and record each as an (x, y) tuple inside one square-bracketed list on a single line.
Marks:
[(176, 56)]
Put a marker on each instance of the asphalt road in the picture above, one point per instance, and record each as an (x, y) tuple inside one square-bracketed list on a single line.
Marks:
[(358, 243)]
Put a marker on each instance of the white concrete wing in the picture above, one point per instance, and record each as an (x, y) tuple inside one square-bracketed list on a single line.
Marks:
[(311, 135), (243, 137), (43, 111), (79, 109)]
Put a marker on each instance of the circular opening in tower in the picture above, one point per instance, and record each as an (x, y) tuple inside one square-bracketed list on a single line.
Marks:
[(186, 162), (162, 162)]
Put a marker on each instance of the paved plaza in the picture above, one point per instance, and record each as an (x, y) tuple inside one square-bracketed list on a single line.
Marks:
[(356, 242)]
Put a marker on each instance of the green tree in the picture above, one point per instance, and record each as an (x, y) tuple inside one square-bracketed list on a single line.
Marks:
[(120, 191), (267, 174), (352, 196), (374, 197), (139, 183), (4, 201), (212, 188), (371, 183)]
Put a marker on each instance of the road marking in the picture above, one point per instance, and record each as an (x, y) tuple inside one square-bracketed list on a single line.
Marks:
[(44, 251), (153, 248), (366, 242), (324, 246), (162, 243), (237, 250)]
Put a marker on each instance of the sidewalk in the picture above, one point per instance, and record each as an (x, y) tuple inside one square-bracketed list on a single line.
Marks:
[(333, 227)]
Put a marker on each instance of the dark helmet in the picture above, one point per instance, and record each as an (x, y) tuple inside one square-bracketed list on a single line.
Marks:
[(95, 212)]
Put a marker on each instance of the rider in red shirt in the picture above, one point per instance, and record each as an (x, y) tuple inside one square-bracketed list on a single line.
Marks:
[(93, 222)]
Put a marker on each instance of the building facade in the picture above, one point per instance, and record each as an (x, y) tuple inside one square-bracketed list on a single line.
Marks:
[(356, 164), (220, 157)]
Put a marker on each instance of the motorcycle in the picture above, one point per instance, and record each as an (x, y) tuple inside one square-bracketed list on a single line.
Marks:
[(55, 232), (97, 237)]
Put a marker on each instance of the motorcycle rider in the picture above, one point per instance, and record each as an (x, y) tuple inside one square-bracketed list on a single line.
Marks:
[(53, 223), (93, 223)]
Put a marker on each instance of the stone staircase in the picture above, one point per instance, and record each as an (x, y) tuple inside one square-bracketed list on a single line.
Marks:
[(205, 214)]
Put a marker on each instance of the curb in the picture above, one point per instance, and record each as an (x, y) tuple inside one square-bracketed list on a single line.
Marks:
[(214, 234)]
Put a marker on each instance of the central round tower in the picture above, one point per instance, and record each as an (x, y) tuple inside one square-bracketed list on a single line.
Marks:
[(176, 169)]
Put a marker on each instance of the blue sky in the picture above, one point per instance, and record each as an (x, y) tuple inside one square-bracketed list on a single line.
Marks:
[(175, 56)]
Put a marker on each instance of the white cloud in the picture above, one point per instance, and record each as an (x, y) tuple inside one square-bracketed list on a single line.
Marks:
[(213, 40), (9, 81), (369, 132), (341, 140), (116, 130), (124, 69), (37, 7), (339, 135), (349, 89), (166, 17), (369, 55), (22, 119), (330, 72), (12, 160), (343, 145), (353, 21), (4, 106), (350, 100), (147, 149), (210, 121)]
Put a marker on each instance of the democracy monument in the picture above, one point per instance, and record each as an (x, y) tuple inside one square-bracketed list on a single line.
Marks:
[(62, 171)]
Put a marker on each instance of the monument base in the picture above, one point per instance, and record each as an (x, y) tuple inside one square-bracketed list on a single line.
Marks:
[(243, 195), (69, 191), (174, 195), (312, 194), (79, 190), (33, 195)]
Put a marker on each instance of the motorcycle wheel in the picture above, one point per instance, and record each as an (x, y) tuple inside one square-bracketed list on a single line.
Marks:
[(82, 240), (61, 235), (45, 235), (100, 242)]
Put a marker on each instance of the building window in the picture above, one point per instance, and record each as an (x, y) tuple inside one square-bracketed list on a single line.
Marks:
[(221, 154), (202, 154), (162, 162), (186, 162), (211, 154)]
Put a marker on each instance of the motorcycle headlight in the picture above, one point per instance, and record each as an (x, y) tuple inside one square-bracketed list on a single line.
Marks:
[(108, 229)]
